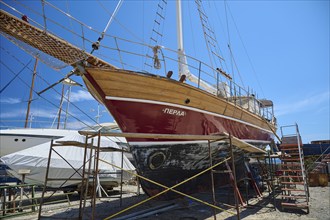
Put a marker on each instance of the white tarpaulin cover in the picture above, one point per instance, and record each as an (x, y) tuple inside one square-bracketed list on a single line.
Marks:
[(35, 160)]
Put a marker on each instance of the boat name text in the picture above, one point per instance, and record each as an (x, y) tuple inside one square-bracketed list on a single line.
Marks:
[(171, 111)]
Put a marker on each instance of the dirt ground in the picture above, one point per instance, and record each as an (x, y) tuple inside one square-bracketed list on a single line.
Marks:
[(187, 208)]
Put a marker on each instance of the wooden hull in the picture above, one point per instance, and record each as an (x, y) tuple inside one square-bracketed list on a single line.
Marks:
[(143, 103)]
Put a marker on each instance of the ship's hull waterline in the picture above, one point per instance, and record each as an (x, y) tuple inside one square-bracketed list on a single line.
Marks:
[(143, 103)]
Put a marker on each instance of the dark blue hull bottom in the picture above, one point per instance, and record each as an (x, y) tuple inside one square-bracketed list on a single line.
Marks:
[(170, 164)]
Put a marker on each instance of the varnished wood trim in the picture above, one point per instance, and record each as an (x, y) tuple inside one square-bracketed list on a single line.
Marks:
[(125, 84)]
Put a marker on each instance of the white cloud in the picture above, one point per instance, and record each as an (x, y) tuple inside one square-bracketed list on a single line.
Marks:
[(43, 113), (311, 102), (10, 100), (13, 113), (18, 113), (80, 95), (76, 125)]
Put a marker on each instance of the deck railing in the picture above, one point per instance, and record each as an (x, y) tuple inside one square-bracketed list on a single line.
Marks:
[(131, 55)]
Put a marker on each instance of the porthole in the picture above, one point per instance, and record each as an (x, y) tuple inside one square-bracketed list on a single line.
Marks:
[(23, 140), (156, 160), (16, 140)]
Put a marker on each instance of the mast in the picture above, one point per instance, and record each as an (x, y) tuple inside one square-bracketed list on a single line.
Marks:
[(70, 83), (60, 108), (182, 59), (67, 107), (31, 94), (183, 70)]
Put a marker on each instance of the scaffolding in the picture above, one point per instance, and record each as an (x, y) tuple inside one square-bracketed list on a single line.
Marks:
[(90, 186), (211, 139), (92, 159)]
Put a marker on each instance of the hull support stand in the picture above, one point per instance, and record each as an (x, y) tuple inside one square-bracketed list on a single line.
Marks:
[(236, 192), (232, 175)]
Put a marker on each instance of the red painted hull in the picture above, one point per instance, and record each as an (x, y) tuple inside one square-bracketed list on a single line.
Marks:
[(159, 118)]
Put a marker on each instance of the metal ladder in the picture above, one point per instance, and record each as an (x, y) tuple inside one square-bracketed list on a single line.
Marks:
[(293, 168), (321, 162)]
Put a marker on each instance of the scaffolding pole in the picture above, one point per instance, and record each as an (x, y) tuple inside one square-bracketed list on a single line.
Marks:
[(96, 150), (234, 174)]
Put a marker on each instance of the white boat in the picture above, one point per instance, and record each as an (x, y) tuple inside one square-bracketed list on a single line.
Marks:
[(35, 159), (13, 140)]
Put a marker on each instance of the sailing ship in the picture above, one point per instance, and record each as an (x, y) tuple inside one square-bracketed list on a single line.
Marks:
[(149, 103)]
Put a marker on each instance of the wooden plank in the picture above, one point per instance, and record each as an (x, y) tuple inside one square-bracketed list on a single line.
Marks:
[(284, 146), (296, 190), (290, 150), (290, 159), (151, 88), (289, 176), (290, 170), (294, 205), (291, 165), (294, 196), (293, 183), (89, 146)]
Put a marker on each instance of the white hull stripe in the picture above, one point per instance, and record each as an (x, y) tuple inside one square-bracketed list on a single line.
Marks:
[(184, 107), (150, 143)]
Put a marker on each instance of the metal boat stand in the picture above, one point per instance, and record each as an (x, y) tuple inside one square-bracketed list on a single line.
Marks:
[(233, 141), (232, 174)]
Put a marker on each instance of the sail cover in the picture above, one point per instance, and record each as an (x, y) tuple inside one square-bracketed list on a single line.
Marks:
[(35, 160)]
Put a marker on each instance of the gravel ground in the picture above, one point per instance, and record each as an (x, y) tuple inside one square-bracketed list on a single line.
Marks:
[(188, 209)]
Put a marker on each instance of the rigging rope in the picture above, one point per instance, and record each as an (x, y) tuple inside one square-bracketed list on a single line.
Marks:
[(245, 50), (71, 27), (156, 36), (22, 14), (16, 75), (229, 43), (192, 30), (47, 100), (73, 18), (157, 64), (57, 92), (210, 40), (96, 44), (120, 24), (43, 13)]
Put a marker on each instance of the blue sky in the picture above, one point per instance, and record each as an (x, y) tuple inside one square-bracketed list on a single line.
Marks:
[(281, 49)]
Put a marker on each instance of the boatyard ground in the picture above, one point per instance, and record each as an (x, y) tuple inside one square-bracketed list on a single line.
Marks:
[(187, 209)]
